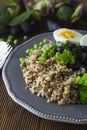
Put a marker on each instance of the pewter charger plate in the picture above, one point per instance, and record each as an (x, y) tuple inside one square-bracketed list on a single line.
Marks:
[(15, 86)]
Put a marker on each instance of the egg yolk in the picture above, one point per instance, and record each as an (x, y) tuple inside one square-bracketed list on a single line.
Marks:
[(67, 34)]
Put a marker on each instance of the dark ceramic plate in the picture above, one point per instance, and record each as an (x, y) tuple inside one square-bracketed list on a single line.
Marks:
[(15, 86)]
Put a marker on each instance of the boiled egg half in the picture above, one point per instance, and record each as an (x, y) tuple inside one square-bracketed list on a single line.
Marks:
[(64, 34)]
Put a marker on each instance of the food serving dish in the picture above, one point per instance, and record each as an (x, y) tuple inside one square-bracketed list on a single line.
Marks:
[(15, 86)]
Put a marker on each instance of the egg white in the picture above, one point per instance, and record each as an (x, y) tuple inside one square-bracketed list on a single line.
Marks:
[(83, 41), (62, 39)]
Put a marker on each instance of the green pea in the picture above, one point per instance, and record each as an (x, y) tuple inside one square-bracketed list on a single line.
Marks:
[(15, 42), (57, 55), (31, 51), (9, 40), (39, 47), (41, 43), (11, 37), (27, 51), (50, 53), (47, 48), (22, 60), (52, 45), (44, 54), (36, 46), (42, 49), (22, 65), (42, 58), (25, 37), (45, 40)]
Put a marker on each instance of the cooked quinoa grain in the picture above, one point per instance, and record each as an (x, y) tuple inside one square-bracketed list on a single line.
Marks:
[(51, 80)]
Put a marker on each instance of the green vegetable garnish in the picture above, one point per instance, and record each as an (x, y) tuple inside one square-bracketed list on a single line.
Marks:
[(65, 57), (21, 18), (82, 82)]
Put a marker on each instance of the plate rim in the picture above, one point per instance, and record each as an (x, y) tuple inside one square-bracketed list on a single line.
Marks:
[(27, 106)]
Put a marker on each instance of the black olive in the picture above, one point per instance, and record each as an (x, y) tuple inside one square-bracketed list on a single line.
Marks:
[(76, 66), (84, 48), (16, 31), (60, 49), (83, 58), (77, 51), (72, 46)]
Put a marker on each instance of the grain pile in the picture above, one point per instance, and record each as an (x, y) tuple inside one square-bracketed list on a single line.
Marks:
[(51, 80)]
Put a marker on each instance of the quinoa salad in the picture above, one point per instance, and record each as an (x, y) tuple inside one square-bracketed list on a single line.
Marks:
[(52, 73)]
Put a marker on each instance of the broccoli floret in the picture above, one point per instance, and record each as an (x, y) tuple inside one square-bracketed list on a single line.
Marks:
[(82, 81), (83, 94), (82, 89), (65, 57)]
